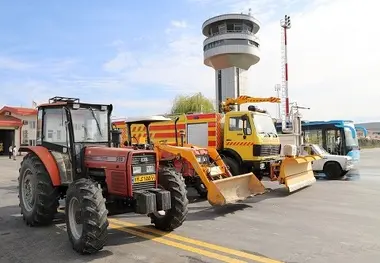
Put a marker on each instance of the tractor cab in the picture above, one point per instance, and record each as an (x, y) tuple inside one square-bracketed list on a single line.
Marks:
[(65, 126)]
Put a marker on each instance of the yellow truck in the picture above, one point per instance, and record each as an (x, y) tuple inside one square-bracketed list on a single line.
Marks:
[(247, 141)]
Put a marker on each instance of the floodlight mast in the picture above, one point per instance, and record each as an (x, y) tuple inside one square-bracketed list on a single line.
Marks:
[(285, 118)]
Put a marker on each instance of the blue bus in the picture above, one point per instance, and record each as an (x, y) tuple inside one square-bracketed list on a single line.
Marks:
[(335, 136)]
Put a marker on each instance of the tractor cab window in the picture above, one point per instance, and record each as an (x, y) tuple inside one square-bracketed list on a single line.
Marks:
[(39, 127), (54, 130), (90, 125)]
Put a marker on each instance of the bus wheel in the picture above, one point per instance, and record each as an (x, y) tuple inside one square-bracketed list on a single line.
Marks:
[(332, 170)]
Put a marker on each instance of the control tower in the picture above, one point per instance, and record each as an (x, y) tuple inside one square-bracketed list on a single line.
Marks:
[(231, 48)]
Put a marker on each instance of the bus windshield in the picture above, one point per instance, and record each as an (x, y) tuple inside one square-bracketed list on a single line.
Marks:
[(350, 140), (264, 124)]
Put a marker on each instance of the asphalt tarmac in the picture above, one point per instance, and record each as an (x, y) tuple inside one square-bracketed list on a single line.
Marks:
[(330, 221)]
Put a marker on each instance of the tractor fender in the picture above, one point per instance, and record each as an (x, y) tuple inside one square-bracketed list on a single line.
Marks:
[(47, 159)]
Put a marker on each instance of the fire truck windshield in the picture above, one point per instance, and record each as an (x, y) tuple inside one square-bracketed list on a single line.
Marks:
[(264, 124)]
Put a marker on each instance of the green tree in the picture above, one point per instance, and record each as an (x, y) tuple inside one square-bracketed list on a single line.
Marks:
[(194, 103)]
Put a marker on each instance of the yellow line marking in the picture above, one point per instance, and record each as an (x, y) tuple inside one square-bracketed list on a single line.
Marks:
[(197, 242), (177, 245)]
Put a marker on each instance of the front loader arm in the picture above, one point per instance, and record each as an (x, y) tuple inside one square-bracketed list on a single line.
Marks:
[(188, 155), (222, 187)]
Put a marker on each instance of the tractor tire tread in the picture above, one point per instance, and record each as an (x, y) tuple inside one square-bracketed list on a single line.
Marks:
[(47, 196), (173, 182), (95, 221)]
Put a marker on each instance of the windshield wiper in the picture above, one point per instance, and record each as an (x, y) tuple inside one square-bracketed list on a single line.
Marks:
[(96, 120), (265, 133), (272, 133)]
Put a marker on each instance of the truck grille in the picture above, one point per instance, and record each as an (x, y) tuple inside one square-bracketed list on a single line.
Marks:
[(143, 186), (139, 159), (266, 150), (143, 160)]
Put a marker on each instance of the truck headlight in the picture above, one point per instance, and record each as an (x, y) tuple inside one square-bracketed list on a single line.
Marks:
[(150, 169), (136, 169)]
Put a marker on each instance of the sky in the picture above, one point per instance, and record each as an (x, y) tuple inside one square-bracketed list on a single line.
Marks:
[(140, 55)]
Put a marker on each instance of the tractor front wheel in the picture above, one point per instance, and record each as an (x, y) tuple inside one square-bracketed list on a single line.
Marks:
[(38, 197), (86, 216), (173, 218)]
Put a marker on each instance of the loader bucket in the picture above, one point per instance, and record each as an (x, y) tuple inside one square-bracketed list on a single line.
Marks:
[(232, 189), (297, 172)]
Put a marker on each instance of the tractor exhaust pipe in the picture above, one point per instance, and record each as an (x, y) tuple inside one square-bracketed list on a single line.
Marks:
[(176, 131)]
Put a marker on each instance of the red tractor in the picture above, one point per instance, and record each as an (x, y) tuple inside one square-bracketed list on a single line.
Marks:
[(74, 160)]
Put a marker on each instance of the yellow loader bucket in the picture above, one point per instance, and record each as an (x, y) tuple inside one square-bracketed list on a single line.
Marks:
[(297, 172), (232, 189)]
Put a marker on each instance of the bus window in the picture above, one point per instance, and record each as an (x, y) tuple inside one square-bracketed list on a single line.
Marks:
[(313, 137)]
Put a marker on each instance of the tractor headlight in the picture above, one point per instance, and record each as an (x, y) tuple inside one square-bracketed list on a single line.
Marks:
[(150, 169), (137, 169), (202, 158)]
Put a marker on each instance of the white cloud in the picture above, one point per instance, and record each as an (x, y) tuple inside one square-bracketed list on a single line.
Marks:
[(7, 63), (122, 61), (179, 23), (334, 57)]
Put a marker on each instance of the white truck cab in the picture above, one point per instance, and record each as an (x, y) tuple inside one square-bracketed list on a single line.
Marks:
[(333, 166)]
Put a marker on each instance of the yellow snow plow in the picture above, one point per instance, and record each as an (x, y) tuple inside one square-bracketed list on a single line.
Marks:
[(222, 187), (295, 172)]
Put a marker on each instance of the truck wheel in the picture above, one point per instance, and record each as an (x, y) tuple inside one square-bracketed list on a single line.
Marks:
[(176, 215), (37, 195), (86, 216), (232, 165), (332, 170)]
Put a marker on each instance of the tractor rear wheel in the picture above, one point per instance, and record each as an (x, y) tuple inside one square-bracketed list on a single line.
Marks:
[(86, 216), (173, 218), (38, 197)]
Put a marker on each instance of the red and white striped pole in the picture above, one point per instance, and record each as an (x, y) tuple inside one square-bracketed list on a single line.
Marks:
[(286, 25)]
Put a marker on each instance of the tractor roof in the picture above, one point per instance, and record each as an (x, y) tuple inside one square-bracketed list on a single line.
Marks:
[(146, 119), (62, 101)]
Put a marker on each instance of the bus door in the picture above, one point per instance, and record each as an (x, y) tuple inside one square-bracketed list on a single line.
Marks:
[(334, 141)]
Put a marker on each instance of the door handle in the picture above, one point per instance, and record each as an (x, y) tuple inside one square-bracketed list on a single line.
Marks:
[(239, 134), (228, 140)]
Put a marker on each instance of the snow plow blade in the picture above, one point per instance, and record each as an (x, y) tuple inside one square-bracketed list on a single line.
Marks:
[(232, 189), (297, 172)]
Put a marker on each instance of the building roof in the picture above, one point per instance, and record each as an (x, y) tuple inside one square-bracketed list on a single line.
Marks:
[(9, 121), (19, 110)]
